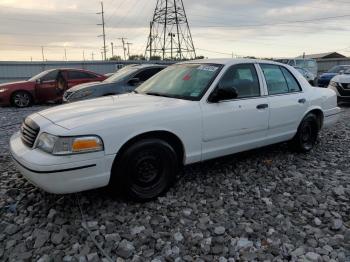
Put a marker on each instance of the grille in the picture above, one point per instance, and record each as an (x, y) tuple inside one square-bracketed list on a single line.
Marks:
[(345, 86), (29, 132)]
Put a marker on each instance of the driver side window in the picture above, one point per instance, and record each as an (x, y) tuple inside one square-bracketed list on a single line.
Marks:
[(51, 76), (243, 79)]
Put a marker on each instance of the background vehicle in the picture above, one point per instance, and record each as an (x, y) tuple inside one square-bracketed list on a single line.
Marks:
[(310, 77), (123, 81), (309, 64), (189, 112), (341, 85), (45, 87), (325, 78)]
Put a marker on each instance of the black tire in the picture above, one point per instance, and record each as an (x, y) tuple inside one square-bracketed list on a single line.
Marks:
[(145, 170), (306, 137), (21, 99)]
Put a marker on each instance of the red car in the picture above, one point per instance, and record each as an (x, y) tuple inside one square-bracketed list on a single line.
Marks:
[(48, 86)]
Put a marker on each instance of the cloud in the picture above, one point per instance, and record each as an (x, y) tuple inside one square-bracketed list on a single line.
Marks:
[(250, 27)]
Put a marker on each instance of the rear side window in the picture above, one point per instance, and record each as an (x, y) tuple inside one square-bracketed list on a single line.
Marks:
[(279, 80), (80, 75), (275, 80), (244, 79), (148, 73), (292, 83)]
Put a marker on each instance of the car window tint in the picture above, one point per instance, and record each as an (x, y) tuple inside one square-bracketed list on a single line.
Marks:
[(79, 75), (50, 76), (275, 80), (291, 81), (146, 74), (244, 79)]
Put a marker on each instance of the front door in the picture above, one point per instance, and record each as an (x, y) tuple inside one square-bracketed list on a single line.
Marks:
[(238, 124), (46, 87)]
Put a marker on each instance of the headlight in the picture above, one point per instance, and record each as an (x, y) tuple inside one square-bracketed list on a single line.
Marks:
[(81, 94), (69, 145), (334, 84), (2, 90)]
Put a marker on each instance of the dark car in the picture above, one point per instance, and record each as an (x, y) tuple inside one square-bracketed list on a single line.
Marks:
[(125, 80), (325, 78), (47, 86)]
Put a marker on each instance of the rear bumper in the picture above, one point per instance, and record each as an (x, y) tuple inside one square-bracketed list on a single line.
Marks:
[(69, 174), (331, 117)]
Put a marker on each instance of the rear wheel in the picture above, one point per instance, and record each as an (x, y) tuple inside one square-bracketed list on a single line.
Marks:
[(21, 99), (306, 137), (146, 169)]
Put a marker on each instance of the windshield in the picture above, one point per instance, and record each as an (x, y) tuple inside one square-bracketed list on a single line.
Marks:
[(337, 69), (121, 74), (40, 75), (184, 81)]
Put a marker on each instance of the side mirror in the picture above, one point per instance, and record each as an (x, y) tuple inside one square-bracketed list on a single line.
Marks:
[(134, 81), (341, 72), (222, 94), (39, 81)]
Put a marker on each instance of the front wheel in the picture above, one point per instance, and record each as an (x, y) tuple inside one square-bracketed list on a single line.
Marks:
[(306, 137), (146, 169), (21, 99)]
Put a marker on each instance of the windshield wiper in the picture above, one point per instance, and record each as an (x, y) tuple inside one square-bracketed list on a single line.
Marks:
[(157, 94)]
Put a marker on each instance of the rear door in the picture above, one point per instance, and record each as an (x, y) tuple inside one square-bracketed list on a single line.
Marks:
[(46, 88), (286, 100)]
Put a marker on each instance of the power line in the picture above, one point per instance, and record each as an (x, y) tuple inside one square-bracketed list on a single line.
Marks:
[(274, 24)]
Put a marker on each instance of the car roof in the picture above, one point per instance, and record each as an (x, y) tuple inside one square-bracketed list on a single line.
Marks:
[(147, 65), (231, 61)]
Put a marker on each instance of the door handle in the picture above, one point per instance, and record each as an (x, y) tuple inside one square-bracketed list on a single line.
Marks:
[(302, 101), (262, 106)]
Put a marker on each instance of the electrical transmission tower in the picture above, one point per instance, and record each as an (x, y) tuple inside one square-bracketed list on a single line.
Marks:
[(170, 36)]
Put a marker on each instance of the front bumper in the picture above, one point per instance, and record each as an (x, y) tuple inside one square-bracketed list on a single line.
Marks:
[(61, 174)]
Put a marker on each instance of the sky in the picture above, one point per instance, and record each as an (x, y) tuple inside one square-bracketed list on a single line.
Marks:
[(261, 28)]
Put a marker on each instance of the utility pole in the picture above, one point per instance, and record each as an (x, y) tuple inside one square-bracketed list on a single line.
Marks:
[(124, 49), (150, 41), (128, 44), (92, 56), (102, 13), (172, 35), (112, 45), (84, 55), (65, 55), (42, 53)]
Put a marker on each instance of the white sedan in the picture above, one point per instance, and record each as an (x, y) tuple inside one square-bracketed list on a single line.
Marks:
[(190, 112)]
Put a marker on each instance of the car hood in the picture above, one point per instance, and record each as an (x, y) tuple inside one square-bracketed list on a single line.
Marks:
[(17, 84), (328, 75), (86, 86), (91, 112), (345, 78)]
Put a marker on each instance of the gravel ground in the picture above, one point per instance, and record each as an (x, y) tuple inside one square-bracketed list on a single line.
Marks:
[(263, 205)]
